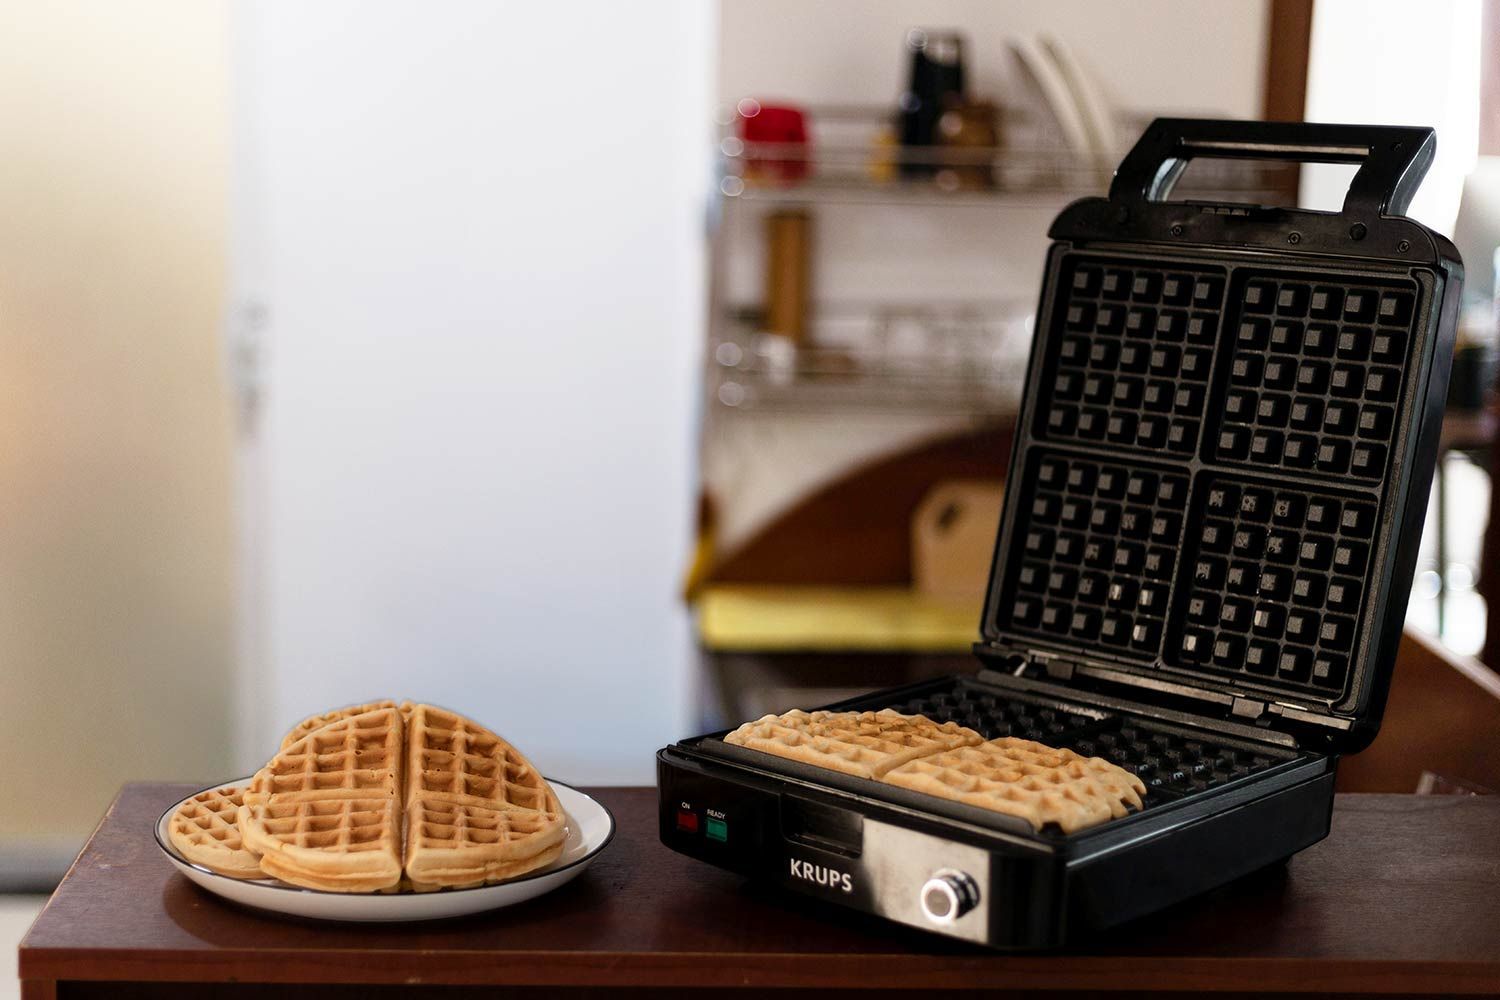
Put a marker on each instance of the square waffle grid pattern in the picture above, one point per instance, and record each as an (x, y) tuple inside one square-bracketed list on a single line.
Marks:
[(1315, 376), (355, 825), (451, 826), (1134, 357), (355, 757), (1170, 763), (1275, 582), (1099, 546), (213, 813), (449, 759)]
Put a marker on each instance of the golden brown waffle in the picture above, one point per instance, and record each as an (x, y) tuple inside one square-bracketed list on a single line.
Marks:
[(451, 844), (329, 810), (344, 845), (355, 757), (496, 874), (453, 759), (204, 831), (312, 722), (326, 811), (477, 810), (1038, 783), (867, 744)]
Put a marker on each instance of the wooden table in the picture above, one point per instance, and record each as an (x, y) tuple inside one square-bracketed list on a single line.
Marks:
[(1403, 898)]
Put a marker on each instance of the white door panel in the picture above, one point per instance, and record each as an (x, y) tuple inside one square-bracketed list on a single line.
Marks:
[(475, 230)]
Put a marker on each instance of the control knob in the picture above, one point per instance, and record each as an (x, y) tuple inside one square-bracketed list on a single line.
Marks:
[(948, 895)]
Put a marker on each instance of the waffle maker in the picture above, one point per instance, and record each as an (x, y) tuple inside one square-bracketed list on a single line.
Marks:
[(1214, 503)]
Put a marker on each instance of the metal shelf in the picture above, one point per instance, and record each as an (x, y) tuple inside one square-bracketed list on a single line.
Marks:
[(966, 358), (844, 193), (853, 161), (960, 359)]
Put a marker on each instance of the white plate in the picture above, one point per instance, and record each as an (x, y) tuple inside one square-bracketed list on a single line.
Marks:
[(1042, 76), (590, 829), (1098, 118)]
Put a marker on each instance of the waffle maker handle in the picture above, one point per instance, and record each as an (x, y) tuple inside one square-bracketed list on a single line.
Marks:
[(1393, 160)]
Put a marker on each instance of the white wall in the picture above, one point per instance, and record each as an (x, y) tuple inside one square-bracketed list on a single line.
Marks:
[(1179, 57), (115, 530), (1176, 55), (476, 232), (1426, 73)]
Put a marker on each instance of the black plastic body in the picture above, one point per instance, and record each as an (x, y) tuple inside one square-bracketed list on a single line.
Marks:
[(1256, 555), (1218, 348), (868, 846)]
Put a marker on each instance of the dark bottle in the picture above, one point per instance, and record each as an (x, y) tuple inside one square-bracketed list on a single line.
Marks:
[(936, 82)]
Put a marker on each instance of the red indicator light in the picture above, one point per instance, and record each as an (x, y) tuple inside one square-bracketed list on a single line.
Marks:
[(687, 821)]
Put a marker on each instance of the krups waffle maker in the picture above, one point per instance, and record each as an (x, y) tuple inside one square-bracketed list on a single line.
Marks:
[(1211, 520)]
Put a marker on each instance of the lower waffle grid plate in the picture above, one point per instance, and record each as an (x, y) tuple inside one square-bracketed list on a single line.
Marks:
[(1174, 763), (1171, 762)]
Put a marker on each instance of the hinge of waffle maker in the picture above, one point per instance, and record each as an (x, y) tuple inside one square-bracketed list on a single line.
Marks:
[(1095, 683)]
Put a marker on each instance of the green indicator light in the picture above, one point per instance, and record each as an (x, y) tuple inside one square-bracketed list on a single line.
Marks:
[(718, 830)]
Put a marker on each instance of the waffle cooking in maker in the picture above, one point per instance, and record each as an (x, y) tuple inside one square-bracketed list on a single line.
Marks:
[(1211, 519)]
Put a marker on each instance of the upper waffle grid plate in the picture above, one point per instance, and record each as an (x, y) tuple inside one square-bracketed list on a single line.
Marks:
[(1166, 391)]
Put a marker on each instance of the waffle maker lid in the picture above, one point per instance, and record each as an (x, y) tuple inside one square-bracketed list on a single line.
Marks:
[(1227, 437)]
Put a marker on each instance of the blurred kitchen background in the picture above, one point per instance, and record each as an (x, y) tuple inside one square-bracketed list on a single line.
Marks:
[(608, 371)]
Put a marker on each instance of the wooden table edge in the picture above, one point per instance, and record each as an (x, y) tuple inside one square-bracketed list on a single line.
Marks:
[(42, 968), (766, 970)]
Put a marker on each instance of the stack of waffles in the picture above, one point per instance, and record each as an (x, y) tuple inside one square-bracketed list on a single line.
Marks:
[(1037, 783), (377, 798)]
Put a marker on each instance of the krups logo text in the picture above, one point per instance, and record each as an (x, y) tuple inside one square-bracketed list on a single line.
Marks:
[(821, 875)]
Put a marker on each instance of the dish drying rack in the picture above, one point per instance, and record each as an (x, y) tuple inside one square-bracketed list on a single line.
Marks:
[(955, 359), (961, 359), (849, 159)]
